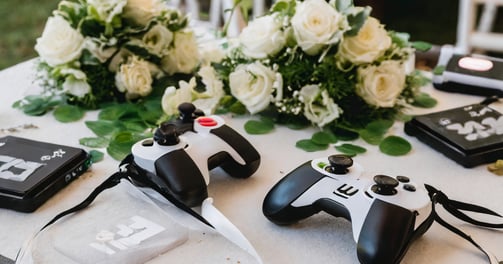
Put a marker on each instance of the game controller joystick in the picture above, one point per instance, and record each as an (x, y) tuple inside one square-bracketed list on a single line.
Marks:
[(386, 213), (183, 151)]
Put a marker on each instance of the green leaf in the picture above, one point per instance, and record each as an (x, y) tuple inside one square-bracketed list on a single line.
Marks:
[(439, 70), (114, 112), (395, 146), (103, 128), (344, 134), (424, 100), (323, 138), (94, 142), (421, 45), (343, 5), (351, 149), (374, 132), (96, 156), (258, 127), (371, 137), (121, 143), (68, 113), (356, 21), (310, 146)]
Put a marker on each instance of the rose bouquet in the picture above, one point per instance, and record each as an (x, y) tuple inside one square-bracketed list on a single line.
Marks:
[(94, 52), (329, 64)]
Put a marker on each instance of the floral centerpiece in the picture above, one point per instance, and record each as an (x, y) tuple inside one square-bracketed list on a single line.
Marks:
[(329, 64), (94, 52), (312, 62)]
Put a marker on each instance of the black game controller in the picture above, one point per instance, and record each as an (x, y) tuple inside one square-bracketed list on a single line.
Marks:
[(183, 151), (387, 213)]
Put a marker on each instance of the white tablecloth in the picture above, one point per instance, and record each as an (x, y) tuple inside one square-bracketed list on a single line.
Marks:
[(319, 239)]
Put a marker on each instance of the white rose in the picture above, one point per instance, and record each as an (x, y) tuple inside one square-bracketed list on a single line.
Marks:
[(158, 39), (214, 90), (381, 85), (263, 37), (317, 24), (75, 82), (211, 52), (101, 51), (173, 97), (253, 85), (134, 78), (184, 56), (369, 44), (59, 43), (107, 9), (141, 12), (319, 111)]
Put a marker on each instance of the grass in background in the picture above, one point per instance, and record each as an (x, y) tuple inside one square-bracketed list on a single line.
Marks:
[(22, 23)]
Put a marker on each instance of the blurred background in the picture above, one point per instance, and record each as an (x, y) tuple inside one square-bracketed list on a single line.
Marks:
[(432, 21)]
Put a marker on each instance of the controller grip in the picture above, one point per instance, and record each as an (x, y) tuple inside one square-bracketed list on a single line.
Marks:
[(385, 234), (182, 177), (242, 147), (277, 203)]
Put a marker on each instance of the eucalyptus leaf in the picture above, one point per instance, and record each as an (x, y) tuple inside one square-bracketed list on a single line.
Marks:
[(439, 70), (310, 146), (94, 142), (424, 100), (96, 156), (257, 127), (103, 128), (323, 138), (343, 5), (121, 144), (344, 134), (114, 112), (421, 45), (68, 113), (374, 132), (395, 146), (350, 149), (371, 137)]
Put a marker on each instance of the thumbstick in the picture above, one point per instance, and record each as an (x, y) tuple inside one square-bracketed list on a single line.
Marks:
[(385, 185), (166, 135), (339, 164), (186, 110)]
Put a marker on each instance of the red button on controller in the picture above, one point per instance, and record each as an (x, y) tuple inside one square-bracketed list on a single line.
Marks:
[(207, 121)]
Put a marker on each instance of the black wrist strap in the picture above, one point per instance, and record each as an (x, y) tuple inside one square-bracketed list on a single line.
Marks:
[(456, 208), (129, 171)]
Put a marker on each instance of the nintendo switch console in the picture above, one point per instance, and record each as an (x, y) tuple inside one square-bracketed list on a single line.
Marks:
[(33, 171), (469, 74)]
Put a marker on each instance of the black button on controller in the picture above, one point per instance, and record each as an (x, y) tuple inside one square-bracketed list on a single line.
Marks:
[(403, 179), (409, 187), (166, 135), (385, 185), (339, 164)]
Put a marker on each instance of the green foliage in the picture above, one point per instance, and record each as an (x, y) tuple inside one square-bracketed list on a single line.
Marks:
[(68, 113), (310, 146), (395, 146), (119, 126), (257, 127), (350, 149), (36, 105)]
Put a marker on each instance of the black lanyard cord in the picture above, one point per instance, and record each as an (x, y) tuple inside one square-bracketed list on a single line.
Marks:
[(129, 171), (456, 208)]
